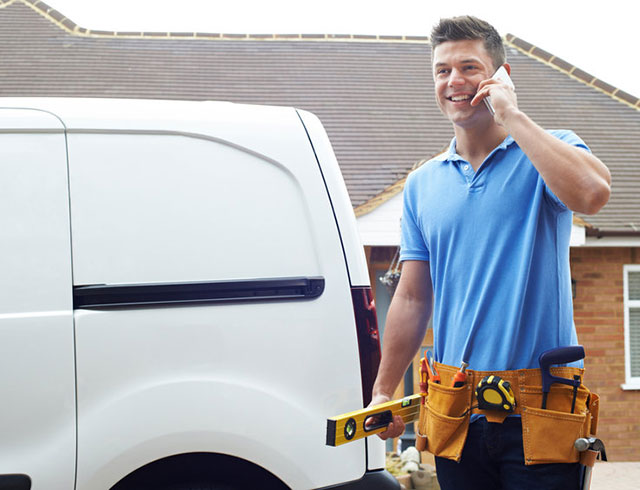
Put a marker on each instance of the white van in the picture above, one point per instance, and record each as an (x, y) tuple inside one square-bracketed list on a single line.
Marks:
[(184, 299)]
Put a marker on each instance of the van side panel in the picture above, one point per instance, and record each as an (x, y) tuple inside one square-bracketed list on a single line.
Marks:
[(37, 384), (225, 213), (255, 379)]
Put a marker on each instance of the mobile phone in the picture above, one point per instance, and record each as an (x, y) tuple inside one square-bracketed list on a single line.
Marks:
[(500, 74)]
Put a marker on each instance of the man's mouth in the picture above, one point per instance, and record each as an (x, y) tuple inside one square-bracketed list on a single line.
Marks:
[(459, 98)]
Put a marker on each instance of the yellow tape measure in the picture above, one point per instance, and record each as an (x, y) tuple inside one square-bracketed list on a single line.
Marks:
[(355, 425), (494, 393)]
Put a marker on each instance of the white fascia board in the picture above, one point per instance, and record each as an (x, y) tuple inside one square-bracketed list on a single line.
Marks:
[(612, 241), (578, 236), (381, 227)]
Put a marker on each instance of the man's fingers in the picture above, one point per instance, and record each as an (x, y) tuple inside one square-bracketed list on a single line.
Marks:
[(394, 429), (481, 94)]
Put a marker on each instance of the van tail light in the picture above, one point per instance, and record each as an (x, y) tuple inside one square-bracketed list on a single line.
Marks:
[(368, 338)]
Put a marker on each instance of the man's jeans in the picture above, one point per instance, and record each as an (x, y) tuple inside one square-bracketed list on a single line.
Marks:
[(493, 459)]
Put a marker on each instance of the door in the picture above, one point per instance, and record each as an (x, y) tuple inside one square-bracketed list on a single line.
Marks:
[(37, 381)]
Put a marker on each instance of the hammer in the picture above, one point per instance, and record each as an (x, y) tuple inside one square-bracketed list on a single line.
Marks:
[(590, 449), (559, 355)]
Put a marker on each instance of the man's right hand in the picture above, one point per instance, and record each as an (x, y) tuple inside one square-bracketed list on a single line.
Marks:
[(395, 428)]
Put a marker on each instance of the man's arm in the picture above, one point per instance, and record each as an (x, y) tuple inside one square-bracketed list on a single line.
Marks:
[(405, 329), (575, 176)]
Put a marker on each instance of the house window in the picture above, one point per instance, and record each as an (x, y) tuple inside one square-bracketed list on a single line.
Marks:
[(632, 326)]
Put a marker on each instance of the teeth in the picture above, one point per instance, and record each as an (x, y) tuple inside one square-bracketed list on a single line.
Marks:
[(459, 98)]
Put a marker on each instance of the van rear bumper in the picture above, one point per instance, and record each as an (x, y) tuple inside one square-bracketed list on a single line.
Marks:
[(379, 479)]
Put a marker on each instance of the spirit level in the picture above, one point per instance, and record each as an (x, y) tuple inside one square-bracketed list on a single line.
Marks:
[(373, 420)]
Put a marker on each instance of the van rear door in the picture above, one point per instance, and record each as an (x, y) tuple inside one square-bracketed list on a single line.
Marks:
[(37, 384)]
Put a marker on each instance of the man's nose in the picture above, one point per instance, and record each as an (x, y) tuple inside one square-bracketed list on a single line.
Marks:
[(456, 77)]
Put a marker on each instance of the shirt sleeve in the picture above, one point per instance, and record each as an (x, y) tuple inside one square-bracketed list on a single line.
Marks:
[(573, 139), (412, 243)]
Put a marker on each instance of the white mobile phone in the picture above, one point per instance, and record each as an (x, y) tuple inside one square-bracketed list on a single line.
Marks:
[(500, 74)]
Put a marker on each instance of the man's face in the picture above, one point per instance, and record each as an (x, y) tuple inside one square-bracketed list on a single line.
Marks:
[(458, 68)]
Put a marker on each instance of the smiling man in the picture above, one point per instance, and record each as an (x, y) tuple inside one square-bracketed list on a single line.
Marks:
[(485, 247)]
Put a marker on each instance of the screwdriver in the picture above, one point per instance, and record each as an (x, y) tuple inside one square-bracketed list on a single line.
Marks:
[(461, 376), (433, 374), (424, 378)]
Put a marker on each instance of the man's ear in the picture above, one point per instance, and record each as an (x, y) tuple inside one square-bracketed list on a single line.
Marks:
[(507, 67)]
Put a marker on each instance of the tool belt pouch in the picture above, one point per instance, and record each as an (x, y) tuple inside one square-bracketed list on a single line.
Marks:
[(444, 420), (548, 434)]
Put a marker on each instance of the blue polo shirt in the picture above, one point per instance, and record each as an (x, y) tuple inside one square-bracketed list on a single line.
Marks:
[(497, 241)]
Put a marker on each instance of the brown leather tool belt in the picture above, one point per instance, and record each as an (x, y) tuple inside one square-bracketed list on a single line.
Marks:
[(444, 418)]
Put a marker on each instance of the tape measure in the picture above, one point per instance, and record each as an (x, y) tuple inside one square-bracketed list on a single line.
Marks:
[(355, 425), (494, 393)]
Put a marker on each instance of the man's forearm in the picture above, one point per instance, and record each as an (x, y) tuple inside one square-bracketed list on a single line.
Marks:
[(576, 177)]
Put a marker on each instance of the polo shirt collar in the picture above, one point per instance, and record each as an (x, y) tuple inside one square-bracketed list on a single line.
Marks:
[(451, 155)]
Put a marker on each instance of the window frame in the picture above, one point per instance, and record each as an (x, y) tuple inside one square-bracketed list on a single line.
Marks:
[(631, 382)]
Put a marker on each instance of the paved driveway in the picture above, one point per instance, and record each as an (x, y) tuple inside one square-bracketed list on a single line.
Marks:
[(616, 476)]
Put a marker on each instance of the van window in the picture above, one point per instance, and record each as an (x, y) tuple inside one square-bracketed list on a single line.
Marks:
[(149, 208)]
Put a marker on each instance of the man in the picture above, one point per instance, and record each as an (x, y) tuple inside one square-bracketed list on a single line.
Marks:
[(485, 233)]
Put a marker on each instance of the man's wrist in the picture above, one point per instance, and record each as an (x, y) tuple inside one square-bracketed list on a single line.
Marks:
[(379, 394), (511, 117)]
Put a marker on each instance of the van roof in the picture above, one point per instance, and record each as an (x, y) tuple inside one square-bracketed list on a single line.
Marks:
[(146, 114), (267, 131)]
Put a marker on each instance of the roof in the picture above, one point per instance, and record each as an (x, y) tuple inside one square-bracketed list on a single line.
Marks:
[(374, 94)]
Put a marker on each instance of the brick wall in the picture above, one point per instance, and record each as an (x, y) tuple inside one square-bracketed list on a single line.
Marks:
[(599, 318)]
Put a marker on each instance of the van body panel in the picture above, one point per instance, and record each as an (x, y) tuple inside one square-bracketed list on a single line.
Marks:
[(176, 193), (170, 208), (337, 189), (37, 380), (183, 368)]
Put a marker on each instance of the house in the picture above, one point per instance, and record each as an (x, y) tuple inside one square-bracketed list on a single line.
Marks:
[(375, 97)]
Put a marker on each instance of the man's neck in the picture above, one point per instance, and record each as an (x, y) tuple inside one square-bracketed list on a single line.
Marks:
[(474, 144)]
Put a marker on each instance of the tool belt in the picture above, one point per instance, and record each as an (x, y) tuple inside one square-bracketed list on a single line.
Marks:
[(548, 434)]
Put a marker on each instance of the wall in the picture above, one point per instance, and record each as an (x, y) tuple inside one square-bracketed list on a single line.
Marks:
[(599, 318)]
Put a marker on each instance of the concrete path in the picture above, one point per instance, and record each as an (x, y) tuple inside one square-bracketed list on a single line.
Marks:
[(616, 476)]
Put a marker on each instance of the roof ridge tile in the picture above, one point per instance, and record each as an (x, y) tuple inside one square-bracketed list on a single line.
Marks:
[(71, 27), (571, 70)]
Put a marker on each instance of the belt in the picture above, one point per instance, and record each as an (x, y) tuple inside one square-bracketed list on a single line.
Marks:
[(527, 389)]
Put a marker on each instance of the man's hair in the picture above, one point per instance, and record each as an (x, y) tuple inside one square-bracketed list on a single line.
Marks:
[(470, 28)]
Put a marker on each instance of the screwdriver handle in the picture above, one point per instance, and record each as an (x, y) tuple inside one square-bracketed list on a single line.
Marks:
[(424, 379), (460, 378), (433, 374)]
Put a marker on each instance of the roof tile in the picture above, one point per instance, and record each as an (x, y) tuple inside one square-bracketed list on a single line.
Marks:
[(56, 15), (521, 43), (627, 97), (582, 75), (541, 53), (560, 63), (130, 33), (604, 86), (69, 24)]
